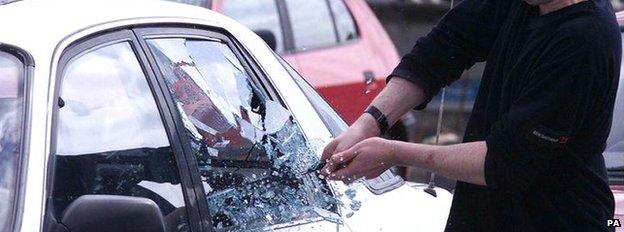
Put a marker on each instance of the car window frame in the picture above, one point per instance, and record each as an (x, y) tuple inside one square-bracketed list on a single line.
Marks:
[(102, 39), (28, 67), (209, 33), (258, 76)]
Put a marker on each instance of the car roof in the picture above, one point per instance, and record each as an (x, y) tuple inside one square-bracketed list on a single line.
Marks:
[(43, 24)]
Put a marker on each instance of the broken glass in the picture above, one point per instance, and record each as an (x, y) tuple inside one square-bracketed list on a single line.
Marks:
[(252, 155)]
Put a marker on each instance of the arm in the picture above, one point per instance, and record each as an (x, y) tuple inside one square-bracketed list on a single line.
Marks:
[(398, 97), (523, 143), (464, 36), (371, 157), (464, 162)]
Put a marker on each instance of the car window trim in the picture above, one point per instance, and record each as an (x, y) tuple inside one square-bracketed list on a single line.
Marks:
[(99, 40), (28, 63)]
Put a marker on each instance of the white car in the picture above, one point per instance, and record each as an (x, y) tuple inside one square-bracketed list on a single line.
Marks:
[(157, 116)]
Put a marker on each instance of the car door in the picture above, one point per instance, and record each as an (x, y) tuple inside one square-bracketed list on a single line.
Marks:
[(113, 137), (251, 155)]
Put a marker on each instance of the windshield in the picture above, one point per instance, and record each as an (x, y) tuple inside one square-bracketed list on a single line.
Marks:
[(11, 107)]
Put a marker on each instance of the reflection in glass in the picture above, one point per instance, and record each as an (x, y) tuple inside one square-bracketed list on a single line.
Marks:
[(110, 137), (11, 114), (252, 156)]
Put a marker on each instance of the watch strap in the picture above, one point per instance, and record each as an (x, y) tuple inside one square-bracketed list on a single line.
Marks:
[(381, 119)]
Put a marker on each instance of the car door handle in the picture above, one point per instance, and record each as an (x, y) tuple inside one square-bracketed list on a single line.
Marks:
[(369, 77)]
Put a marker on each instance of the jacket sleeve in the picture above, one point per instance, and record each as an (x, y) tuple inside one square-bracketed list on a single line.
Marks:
[(559, 106), (463, 37)]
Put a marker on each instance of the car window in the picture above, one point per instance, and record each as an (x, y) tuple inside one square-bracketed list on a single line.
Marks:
[(252, 156), (345, 25), (110, 138), (11, 114), (312, 24), (258, 15)]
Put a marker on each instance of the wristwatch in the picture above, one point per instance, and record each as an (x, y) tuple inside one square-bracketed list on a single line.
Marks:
[(381, 119)]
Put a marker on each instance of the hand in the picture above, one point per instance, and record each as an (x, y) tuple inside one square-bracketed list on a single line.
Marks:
[(365, 127), (367, 159)]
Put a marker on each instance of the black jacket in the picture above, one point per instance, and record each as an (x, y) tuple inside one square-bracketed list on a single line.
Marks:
[(544, 108)]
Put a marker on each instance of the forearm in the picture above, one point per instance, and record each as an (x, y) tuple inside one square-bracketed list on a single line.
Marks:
[(397, 98), (463, 162)]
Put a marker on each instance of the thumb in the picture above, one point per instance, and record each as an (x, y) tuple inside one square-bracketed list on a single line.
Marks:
[(329, 149)]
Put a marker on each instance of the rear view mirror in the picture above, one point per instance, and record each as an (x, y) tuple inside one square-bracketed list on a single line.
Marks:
[(100, 213), (268, 38)]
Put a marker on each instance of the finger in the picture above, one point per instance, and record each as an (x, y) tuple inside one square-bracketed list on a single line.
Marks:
[(339, 161), (345, 156), (345, 173), (329, 149)]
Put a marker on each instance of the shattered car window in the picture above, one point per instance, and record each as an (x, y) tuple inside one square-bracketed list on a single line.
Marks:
[(253, 157), (11, 114)]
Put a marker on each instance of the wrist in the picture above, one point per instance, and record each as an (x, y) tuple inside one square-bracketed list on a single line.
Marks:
[(393, 156), (368, 125)]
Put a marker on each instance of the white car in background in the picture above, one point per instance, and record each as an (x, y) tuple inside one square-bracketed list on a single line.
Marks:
[(156, 116)]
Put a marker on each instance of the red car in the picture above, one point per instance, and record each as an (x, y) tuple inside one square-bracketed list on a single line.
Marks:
[(339, 46)]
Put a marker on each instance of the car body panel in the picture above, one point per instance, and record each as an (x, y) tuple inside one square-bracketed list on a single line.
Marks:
[(401, 200), (46, 41)]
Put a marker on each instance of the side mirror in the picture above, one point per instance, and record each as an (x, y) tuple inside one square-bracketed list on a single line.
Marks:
[(100, 213), (268, 38)]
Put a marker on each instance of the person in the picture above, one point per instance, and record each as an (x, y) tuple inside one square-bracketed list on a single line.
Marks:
[(531, 158)]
